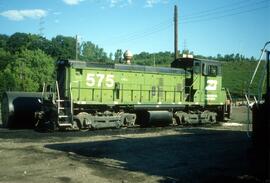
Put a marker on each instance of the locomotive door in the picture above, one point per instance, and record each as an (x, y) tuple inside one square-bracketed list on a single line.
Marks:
[(61, 79), (210, 72)]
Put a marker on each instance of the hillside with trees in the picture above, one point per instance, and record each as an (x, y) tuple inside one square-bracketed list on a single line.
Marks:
[(28, 60)]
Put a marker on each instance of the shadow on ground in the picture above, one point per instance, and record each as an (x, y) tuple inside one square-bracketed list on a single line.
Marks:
[(30, 135), (198, 156)]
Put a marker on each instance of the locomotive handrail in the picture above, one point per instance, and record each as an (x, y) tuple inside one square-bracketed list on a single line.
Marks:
[(193, 82), (259, 90), (57, 90), (71, 100), (256, 70)]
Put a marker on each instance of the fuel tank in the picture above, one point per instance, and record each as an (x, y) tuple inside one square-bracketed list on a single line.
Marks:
[(154, 118)]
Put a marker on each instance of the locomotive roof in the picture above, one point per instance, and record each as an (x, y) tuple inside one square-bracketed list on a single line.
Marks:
[(84, 65), (189, 62)]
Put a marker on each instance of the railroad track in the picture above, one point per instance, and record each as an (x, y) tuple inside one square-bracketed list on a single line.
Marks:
[(139, 130)]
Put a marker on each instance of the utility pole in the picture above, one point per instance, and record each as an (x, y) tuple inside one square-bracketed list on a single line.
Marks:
[(154, 60), (175, 32), (76, 47)]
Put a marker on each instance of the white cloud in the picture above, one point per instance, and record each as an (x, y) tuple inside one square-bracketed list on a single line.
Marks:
[(113, 3), (151, 3), (72, 2), (18, 15), (120, 3)]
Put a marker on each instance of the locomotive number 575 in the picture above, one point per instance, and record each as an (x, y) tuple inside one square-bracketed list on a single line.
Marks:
[(99, 79)]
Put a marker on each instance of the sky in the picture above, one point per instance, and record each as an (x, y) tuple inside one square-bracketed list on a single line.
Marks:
[(206, 27)]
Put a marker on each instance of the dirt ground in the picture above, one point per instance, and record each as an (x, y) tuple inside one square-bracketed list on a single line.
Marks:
[(193, 154)]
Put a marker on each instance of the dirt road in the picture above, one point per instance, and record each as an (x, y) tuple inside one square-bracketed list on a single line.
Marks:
[(201, 154)]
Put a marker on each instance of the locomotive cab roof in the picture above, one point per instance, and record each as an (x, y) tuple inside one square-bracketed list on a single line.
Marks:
[(185, 63), (198, 66)]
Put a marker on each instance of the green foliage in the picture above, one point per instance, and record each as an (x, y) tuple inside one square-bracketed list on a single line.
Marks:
[(18, 42), (160, 58), (91, 52), (27, 72), (39, 42), (237, 75), (3, 41), (22, 41), (118, 55), (5, 57), (7, 81), (63, 47)]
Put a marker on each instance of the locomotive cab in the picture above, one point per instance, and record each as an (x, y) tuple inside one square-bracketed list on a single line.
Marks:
[(203, 82), (198, 66)]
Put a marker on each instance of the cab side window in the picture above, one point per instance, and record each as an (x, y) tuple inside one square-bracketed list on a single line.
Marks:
[(197, 68), (209, 70), (212, 70)]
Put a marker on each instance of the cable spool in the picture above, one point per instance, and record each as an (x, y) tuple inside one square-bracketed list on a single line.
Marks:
[(18, 109)]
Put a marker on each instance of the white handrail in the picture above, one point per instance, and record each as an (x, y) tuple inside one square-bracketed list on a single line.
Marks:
[(71, 99)]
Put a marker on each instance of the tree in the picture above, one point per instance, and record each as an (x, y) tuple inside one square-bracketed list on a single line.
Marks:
[(22, 41), (5, 58), (7, 81), (110, 56), (118, 55), (63, 47), (3, 41), (18, 42), (28, 71), (39, 42), (91, 52)]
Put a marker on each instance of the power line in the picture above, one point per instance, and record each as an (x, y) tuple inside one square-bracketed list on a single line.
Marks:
[(224, 11), (206, 15), (152, 28), (202, 19), (215, 9), (148, 33)]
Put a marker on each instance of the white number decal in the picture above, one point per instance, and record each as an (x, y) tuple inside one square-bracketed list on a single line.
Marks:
[(211, 85), (91, 80), (109, 81), (100, 79)]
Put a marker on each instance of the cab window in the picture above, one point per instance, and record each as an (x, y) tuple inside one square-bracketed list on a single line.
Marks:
[(197, 68), (212, 70), (209, 70)]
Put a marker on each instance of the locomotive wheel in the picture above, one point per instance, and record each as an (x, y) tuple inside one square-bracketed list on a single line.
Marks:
[(76, 122), (175, 121), (181, 118), (83, 121), (212, 118), (220, 113)]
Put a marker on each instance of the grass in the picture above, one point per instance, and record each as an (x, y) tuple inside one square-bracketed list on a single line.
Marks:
[(237, 76)]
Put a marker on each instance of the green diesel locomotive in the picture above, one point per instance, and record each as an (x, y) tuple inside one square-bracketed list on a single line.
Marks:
[(91, 95)]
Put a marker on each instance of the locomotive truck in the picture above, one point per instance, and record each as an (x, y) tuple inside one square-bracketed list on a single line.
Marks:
[(94, 95)]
